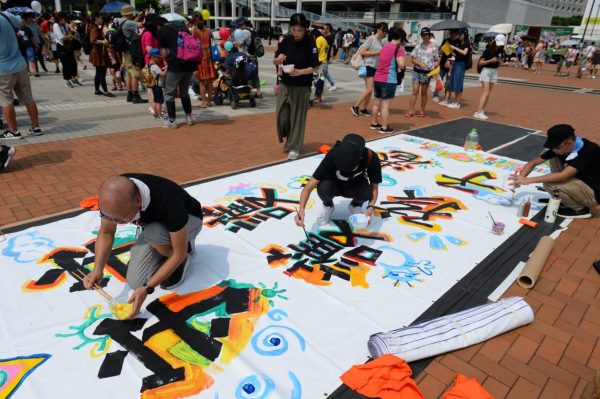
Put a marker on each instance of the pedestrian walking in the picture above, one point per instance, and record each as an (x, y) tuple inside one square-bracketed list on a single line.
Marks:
[(370, 51), (459, 66), (179, 75), (425, 58), (65, 48), (489, 63), (206, 70), (99, 57), (391, 62), (14, 79), (297, 59)]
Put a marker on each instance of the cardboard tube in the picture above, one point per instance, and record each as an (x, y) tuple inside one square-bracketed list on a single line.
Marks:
[(535, 264)]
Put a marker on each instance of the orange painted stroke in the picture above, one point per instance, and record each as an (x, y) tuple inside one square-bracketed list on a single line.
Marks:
[(177, 303)]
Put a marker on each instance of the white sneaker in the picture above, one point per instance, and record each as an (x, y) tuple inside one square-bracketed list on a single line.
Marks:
[(170, 125), (443, 102), (454, 106), (325, 215), (480, 115), (293, 154), (189, 120), (354, 209), (332, 88), (435, 99), (151, 110)]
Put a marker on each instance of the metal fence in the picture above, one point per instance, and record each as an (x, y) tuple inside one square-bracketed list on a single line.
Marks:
[(393, 16)]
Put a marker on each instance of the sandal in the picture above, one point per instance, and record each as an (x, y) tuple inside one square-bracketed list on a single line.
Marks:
[(409, 115), (421, 114), (258, 95)]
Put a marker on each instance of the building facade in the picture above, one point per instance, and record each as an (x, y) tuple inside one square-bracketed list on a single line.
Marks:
[(565, 8), (481, 14)]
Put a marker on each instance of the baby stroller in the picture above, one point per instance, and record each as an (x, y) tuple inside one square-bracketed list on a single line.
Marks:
[(233, 84)]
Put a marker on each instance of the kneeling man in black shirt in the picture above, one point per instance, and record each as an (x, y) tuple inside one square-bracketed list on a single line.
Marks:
[(575, 171), (348, 170), (169, 218)]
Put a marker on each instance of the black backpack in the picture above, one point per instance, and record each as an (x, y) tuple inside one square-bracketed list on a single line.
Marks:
[(137, 55), (117, 40), (256, 47), (399, 72)]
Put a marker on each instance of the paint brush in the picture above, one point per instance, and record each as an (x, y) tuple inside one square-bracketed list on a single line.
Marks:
[(304, 229), (490, 213), (80, 276)]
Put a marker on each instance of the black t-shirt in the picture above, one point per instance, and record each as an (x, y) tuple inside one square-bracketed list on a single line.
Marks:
[(444, 57), (369, 167), (458, 57), (167, 38), (587, 164), (169, 204), (330, 40), (302, 54), (489, 53)]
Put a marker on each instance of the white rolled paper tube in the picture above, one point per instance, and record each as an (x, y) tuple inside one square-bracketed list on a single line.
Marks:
[(452, 332)]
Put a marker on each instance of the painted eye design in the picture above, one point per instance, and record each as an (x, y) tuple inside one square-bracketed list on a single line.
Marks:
[(273, 340), (255, 387)]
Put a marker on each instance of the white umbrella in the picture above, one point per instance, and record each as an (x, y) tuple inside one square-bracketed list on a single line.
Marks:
[(501, 28), (171, 16)]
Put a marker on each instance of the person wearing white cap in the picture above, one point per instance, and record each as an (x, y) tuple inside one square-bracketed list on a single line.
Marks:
[(488, 71)]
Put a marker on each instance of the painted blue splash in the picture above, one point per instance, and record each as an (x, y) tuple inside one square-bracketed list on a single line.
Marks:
[(297, 387), (418, 236), (455, 240), (387, 181), (436, 243), (277, 314), (272, 340), (255, 387), (28, 247)]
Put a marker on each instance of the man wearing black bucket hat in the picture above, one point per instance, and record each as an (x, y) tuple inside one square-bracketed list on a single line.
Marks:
[(349, 170), (575, 172)]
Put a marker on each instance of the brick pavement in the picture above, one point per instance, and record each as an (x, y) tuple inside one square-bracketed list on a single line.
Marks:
[(555, 356)]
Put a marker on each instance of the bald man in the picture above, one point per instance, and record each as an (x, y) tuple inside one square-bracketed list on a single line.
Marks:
[(170, 220)]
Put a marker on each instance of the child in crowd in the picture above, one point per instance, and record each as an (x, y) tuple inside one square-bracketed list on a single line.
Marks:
[(158, 71)]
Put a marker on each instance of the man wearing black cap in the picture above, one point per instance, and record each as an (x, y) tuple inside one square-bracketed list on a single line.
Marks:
[(349, 170), (575, 172)]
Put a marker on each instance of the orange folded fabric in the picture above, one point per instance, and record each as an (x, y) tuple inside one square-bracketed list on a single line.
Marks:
[(466, 388), (387, 377), (90, 203)]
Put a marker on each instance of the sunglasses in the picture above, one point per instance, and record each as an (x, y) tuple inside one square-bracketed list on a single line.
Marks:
[(115, 220)]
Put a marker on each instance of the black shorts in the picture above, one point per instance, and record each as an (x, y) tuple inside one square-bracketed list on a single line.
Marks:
[(157, 93), (371, 72)]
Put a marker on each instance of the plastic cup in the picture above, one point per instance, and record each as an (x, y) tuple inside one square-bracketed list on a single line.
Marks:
[(498, 228), (358, 221), (288, 68)]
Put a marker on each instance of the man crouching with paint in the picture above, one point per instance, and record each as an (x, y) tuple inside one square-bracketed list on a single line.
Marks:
[(575, 166), (170, 220), (349, 170)]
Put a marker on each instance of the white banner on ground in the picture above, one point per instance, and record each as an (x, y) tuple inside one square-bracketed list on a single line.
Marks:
[(261, 311)]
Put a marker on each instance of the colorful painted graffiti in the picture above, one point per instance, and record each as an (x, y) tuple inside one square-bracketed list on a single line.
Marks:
[(316, 263), (449, 151), (473, 183), (28, 247), (405, 269), (420, 211), (248, 212), (193, 332), (401, 161), (14, 371), (100, 345), (437, 242)]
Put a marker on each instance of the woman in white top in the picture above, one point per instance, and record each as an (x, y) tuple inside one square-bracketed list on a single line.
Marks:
[(66, 45), (370, 52)]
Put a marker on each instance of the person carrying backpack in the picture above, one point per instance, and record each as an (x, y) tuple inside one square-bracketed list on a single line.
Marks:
[(251, 48), (130, 29), (182, 62)]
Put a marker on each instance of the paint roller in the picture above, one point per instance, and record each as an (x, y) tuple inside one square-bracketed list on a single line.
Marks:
[(535, 264)]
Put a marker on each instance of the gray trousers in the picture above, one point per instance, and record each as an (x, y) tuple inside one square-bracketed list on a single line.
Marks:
[(573, 193), (144, 260), (291, 110), (174, 80)]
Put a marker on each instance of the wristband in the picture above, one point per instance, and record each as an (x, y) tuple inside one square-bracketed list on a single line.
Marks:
[(371, 206)]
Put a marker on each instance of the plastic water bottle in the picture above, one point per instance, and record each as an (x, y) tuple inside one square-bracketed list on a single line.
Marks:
[(472, 140)]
